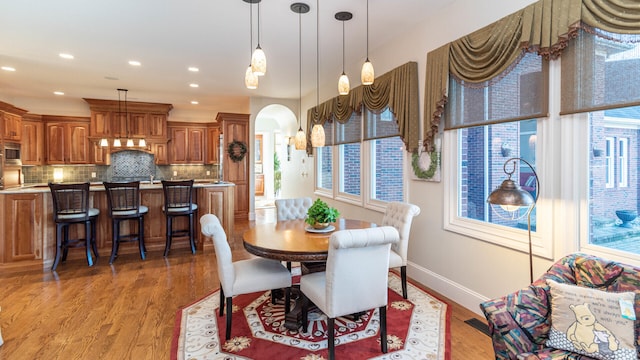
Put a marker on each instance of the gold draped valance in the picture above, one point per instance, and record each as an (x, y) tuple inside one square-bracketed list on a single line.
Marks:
[(396, 89), (544, 27)]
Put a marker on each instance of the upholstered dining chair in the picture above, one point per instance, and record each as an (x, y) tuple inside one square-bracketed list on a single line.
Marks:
[(71, 206), (292, 209), (400, 216), (124, 205), (355, 279), (243, 276), (178, 202)]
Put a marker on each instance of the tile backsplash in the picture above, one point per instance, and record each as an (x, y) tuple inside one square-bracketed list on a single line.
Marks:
[(125, 166)]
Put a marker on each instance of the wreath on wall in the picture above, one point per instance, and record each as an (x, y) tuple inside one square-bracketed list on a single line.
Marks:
[(420, 172), (237, 150)]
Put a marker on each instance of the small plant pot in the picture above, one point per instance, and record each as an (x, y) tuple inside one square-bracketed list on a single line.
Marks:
[(321, 226)]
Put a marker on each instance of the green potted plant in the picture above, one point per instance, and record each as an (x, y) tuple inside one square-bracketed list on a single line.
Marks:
[(320, 215)]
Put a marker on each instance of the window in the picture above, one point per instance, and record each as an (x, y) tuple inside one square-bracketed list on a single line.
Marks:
[(623, 165), (609, 162)]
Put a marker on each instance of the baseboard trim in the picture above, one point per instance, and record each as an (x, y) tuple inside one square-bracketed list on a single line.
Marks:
[(454, 291)]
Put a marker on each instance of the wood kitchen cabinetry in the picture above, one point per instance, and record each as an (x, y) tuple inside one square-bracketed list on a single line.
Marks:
[(220, 202), (11, 122), (213, 144), (23, 229), (235, 127), (32, 151), (67, 139), (187, 145)]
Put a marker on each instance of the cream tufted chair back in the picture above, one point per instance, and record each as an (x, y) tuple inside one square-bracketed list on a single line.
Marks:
[(400, 215), (291, 209)]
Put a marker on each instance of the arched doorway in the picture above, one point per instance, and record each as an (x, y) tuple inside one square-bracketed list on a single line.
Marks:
[(275, 124)]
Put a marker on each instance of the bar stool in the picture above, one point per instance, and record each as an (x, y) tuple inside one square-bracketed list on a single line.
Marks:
[(71, 206), (178, 201), (124, 205)]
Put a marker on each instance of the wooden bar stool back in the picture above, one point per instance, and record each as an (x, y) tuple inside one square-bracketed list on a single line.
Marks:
[(178, 201), (71, 206), (124, 205)]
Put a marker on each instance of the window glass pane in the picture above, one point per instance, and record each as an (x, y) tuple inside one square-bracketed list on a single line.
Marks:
[(614, 191), (481, 165), (388, 179), (350, 168), (520, 94), (324, 172), (381, 124), (351, 131)]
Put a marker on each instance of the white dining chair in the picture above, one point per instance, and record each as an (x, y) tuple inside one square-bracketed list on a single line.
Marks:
[(292, 209), (400, 216), (244, 276), (355, 279)]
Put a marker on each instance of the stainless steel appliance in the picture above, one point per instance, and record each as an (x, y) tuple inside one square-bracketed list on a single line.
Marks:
[(10, 166), (12, 154)]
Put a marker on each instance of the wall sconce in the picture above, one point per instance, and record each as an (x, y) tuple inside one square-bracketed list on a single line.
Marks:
[(505, 150), (58, 175)]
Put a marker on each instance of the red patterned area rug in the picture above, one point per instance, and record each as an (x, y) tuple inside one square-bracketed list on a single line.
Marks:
[(417, 328)]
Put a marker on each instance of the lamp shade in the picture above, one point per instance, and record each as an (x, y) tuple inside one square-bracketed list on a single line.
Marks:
[(259, 62), (367, 75), (129, 142), (250, 79), (301, 140), (343, 85), (317, 136), (104, 142), (116, 142), (510, 196), (142, 143)]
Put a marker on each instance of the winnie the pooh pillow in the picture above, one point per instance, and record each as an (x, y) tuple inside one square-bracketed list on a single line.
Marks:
[(592, 322)]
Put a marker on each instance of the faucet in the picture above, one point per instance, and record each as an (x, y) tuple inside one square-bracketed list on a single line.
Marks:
[(151, 179)]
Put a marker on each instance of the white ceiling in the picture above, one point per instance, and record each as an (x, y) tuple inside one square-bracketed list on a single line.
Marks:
[(167, 36)]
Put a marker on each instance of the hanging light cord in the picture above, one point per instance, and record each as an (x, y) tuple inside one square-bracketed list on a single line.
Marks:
[(367, 30), (343, 47), (250, 31), (258, 24), (300, 69), (317, 52)]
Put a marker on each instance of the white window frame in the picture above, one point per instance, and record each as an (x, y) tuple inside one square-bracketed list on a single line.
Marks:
[(623, 162), (343, 196), (610, 155), (322, 191)]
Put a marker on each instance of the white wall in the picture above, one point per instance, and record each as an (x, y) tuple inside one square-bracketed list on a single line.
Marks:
[(465, 269)]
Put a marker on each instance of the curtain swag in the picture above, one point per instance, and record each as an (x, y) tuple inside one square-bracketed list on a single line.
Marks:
[(396, 89), (544, 27)]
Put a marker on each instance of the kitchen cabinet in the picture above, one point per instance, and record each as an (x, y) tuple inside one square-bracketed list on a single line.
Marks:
[(22, 226), (160, 153), (217, 200), (32, 151), (100, 123), (158, 126), (67, 142), (12, 127), (213, 145), (235, 127), (99, 155), (187, 144)]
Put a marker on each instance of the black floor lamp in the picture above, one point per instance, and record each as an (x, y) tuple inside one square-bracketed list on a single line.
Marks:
[(511, 197)]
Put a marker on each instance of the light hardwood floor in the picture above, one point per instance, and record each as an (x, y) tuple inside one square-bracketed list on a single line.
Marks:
[(128, 310)]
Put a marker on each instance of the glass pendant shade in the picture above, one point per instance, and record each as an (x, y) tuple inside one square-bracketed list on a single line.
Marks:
[(301, 140), (367, 75), (104, 142), (259, 62), (116, 142), (129, 142), (142, 143), (343, 84), (250, 79), (317, 136)]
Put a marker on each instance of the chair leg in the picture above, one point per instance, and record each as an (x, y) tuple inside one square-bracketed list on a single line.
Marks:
[(141, 237), (383, 328), (59, 234), (192, 241), (65, 242), (403, 275), (168, 244), (94, 245), (87, 243), (115, 238), (331, 340), (305, 312), (221, 301), (287, 300), (229, 314)]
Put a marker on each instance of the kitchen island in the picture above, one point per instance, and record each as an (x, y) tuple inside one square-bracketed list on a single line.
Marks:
[(28, 231)]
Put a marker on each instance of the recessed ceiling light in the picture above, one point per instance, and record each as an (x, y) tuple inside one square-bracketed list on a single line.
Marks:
[(193, 69), (66, 56), (194, 102), (111, 78), (58, 93), (8, 68), (134, 63), (194, 85)]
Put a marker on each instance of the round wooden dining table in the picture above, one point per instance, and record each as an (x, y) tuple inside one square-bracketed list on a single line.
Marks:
[(294, 240)]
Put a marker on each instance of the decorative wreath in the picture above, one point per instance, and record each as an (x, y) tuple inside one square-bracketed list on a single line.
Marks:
[(424, 173), (237, 150)]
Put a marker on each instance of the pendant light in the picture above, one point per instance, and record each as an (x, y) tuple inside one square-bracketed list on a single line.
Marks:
[(258, 59), (367, 74), (250, 78), (317, 132), (116, 141), (343, 81), (301, 137), (126, 119)]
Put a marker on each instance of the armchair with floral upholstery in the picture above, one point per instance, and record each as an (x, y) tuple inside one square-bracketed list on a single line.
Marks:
[(519, 323)]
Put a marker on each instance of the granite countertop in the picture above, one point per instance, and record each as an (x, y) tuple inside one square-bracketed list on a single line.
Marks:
[(97, 186)]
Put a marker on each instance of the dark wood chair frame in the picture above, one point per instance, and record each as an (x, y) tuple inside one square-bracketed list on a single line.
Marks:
[(178, 201), (124, 205)]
